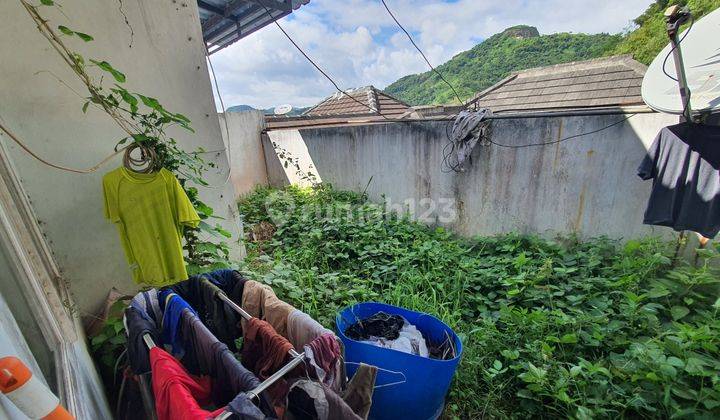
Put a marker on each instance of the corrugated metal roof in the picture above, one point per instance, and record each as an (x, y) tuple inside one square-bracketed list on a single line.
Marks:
[(603, 82), (227, 21)]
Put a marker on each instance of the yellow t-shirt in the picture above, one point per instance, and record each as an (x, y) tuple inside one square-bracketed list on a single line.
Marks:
[(150, 211)]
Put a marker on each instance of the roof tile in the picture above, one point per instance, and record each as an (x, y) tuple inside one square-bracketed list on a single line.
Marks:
[(362, 102), (610, 81)]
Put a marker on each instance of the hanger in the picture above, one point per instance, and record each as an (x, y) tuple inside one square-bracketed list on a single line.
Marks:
[(394, 372), (146, 163)]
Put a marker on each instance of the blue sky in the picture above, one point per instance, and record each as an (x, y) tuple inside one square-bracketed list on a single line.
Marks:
[(358, 44)]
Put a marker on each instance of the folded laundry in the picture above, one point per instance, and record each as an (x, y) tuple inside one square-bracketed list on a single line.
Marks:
[(137, 324)]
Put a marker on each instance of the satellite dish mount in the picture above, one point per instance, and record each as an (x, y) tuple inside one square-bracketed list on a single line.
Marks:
[(675, 16)]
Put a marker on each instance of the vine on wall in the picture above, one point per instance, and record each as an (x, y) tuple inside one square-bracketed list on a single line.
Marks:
[(143, 119)]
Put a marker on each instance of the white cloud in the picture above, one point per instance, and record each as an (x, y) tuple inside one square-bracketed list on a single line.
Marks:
[(357, 43)]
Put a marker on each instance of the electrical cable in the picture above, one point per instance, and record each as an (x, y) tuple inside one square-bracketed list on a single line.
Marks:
[(692, 22), (92, 169), (227, 148), (97, 166), (377, 111), (412, 41), (564, 138), (448, 165)]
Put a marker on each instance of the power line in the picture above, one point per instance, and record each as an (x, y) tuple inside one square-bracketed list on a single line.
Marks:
[(421, 53), (563, 139), (227, 149), (318, 67)]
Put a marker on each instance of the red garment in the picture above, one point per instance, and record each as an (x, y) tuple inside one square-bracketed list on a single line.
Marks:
[(264, 352), (178, 395)]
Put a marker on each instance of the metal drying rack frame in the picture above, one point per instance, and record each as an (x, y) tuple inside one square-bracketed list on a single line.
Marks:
[(298, 358)]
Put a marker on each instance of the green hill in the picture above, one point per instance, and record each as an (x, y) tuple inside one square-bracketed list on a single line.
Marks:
[(521, 47), (516, 48), (645, 42)]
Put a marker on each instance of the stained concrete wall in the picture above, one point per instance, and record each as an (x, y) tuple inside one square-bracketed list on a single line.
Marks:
[(247, 161), (162, 54), (586, 186)]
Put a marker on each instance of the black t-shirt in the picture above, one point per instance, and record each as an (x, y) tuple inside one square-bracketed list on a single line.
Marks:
[(684, 164)]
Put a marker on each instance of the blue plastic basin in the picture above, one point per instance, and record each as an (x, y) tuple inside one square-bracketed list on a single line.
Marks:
[(426, 381)]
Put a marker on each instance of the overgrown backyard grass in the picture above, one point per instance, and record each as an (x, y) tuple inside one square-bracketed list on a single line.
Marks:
[(551, 328)]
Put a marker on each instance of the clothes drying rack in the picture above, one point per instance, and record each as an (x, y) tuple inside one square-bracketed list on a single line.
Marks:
[(297, 358)]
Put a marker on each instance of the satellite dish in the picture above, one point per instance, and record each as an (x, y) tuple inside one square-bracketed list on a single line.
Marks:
[(283, 109), (701, 55)]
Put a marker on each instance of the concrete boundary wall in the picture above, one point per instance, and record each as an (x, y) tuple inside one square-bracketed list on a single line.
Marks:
[(247, 160), (585, 186)]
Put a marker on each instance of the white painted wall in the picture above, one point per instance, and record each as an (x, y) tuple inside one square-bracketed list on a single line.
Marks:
[(247, 161), (586, 186), (164, 58)]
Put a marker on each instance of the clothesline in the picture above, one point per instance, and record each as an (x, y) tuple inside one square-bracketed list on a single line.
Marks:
[(298, 358), (243, 313), (197, 313)]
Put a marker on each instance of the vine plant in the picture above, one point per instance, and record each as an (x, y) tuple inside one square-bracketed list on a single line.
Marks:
[(144, 120)]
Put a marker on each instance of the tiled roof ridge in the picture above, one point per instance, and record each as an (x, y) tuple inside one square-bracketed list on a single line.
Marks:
[(371, 98)]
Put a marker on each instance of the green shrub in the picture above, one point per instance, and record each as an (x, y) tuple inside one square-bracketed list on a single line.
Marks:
[(551, 328)]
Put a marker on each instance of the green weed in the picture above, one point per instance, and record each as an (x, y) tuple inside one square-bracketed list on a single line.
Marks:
[(551, 328)]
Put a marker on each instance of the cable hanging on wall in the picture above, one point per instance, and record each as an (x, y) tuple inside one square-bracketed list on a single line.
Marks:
[(521, 146)]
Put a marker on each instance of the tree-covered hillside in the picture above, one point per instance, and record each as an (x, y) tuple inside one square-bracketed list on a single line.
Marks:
[(645, 42), (520, 48), (514, 49)]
